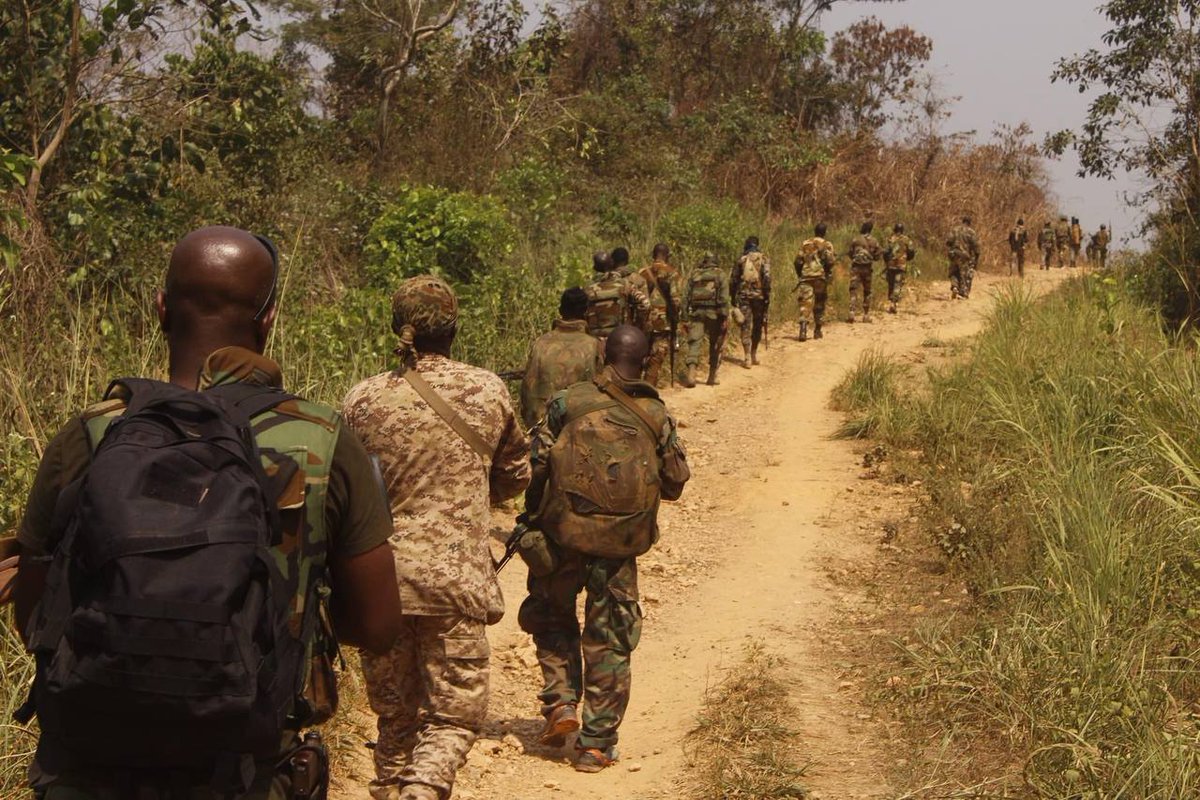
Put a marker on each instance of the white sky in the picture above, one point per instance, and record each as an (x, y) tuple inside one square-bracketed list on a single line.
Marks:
[(998, 56)]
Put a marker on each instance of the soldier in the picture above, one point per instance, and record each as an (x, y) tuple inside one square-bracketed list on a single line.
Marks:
[(448, 442), (1075, 241), (612, 299), (750, 286), (216, 313), (1103, 237), (900, 251), (707, 306), (963, 248), (565, 355), (586, 458), (662, 284), (814, 270), (620, 260), (864, 252), (1017, 240), (1062, 240), (1046, 244)]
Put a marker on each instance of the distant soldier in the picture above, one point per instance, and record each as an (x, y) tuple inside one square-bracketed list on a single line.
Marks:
[(1046, 244), (864, 252), (1018, 238), (604, 458), (750, 284), (1103, 238), (564, 356), (706, 303), (1075, 241), (612, 300), (896, 258), (663, 285), (963, 249), (1062, 240), (449, 446), (814, 270)]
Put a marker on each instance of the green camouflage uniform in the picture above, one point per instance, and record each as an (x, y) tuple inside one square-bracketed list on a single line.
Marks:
[(1018, 239), (1062, 240), (656, 282), (754, 301), (1076, 243), (565, 355), (430, 690), (1046, 245), (592, 666), (1102, 239), (864, 252), (707, 305), (614, 300), (899, 252), (814, 270), (963, 247), (341, 511)]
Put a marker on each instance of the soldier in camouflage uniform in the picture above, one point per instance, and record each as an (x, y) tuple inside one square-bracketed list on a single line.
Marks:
[(1102, 240), (963, 249), (431, 690), (592, 667), (1046, 244), (864, 252), (899, 253), (1018, 239), (564, 356), (814, 270), (1075, 241), (216, 313), (1062, 240), (612, 299), (663, 285), (750, 285), (706, 303)]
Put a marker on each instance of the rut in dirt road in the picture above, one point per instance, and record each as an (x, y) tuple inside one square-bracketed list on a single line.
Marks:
[(774, 500)]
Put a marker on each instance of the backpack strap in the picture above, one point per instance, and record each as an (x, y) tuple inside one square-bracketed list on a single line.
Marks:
[(448, 414), (607, 385)]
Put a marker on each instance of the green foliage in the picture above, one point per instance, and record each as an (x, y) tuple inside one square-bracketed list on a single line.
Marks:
[(14, 172), (535, 189), (713, 226), (457, 235)]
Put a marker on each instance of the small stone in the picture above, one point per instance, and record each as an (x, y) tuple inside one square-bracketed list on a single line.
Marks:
[(635, 767), (512, 741), (550, 785)]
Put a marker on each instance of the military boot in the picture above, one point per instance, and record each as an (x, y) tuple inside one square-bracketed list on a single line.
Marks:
[(804, 331), (754, 355), (866, 317), (892, 307), (689, 377), (712, 376), (817, 334), (745, 358)]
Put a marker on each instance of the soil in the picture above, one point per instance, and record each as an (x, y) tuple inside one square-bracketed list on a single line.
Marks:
[(783, 536)]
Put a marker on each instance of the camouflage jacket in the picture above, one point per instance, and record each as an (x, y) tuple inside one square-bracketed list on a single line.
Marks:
[(1103, 238), (741, 288), (864, 251), (816, 259), (707, 294), (963, 244), (564, 356), (438, 487), (900, 250), (1076, 235), (656, 281), (1046, 238), (1062, 234), (614, 300)]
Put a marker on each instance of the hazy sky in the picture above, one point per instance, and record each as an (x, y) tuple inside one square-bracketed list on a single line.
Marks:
[(998, 56)]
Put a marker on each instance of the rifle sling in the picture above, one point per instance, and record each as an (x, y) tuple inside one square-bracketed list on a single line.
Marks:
[(448, 414), (610, 388)]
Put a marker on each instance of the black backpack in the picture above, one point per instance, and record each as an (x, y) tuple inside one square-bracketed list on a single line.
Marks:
[(162, 639)]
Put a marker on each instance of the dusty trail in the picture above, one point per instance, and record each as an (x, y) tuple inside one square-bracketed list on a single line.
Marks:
[(776, 504)]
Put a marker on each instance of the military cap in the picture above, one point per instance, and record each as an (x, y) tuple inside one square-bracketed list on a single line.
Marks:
[(427, 303)]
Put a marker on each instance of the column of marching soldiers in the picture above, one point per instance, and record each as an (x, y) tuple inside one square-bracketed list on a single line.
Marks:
[(194, 551)]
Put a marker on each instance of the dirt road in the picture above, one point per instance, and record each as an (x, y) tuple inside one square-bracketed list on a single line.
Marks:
[(775, 506)]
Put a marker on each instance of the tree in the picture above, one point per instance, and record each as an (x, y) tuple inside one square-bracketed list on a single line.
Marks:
[(876, 65)]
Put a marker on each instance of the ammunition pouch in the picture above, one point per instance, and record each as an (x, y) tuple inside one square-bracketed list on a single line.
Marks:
[(538, 553)]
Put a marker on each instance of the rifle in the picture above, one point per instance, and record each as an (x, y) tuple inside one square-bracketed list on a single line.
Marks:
[(512, 375), (512, 545)]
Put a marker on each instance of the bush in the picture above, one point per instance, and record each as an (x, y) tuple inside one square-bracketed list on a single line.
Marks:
[(457, 235), (713, 226)]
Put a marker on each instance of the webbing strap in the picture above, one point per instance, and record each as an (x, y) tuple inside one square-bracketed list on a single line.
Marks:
[(154, 608), (448, 414), (610, 388)]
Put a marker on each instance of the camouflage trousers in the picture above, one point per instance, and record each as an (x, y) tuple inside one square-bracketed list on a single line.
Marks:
[(1060, 254), (592, 666), (895, 282), (702, 328), (860, 290), (430, 692), (755, 313), (1074, 255), (660, 353), (1047, 257), (812, 294), (1018, 262), (962, 275)]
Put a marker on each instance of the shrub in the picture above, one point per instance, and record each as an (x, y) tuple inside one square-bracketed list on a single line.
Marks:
[(706, 226)]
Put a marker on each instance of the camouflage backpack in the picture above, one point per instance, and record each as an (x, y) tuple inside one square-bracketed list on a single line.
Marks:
[(606, 305), (860, 253), (183, 618), (705, 289), (959, 245), (604, 488), (810, 259)]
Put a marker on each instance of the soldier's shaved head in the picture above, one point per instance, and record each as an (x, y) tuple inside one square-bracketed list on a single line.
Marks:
[(626, 350), (219, 292)]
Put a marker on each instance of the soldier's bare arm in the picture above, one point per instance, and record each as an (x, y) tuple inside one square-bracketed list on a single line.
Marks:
[(365, 602)]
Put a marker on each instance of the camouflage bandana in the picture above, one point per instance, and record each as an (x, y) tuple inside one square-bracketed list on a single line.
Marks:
[(427, 304)]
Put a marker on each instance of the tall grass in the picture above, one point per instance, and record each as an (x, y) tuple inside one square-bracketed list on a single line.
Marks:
[(1063, 459)]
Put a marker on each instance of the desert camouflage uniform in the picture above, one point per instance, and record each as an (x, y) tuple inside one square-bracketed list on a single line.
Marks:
[(1062, 239), (707, 317), (753, 301), (899, 252), (431, 690), (963, 247), (592, 666), (1046, 245), (1076, 243), (614, 300), (814, 276), (1102, 239), (653, 281), (862, 273), (1018, 239), (564, 356)]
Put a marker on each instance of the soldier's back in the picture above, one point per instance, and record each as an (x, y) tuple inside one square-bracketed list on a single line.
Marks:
[(564, 356)]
